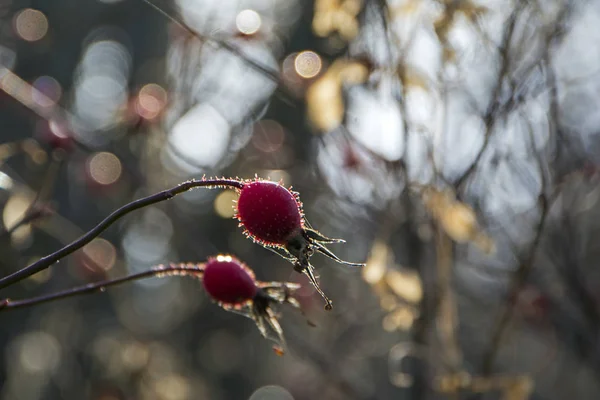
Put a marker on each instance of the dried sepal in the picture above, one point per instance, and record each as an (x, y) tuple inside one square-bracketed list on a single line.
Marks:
[(264, 314)]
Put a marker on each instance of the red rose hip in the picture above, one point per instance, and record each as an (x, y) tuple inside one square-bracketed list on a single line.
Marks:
[(272, 215), (229, 281), (233, 285)]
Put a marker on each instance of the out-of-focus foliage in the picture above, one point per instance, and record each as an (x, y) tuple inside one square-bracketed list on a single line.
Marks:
[(453, 144)]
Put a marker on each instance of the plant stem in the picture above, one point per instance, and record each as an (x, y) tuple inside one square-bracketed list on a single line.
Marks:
[(45, 262), (173, 269)]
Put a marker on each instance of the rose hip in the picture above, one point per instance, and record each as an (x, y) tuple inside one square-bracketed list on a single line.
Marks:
[(233, 285), (272, 215), (229, 281)]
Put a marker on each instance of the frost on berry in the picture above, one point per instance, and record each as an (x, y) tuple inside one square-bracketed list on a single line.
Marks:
[(233, 285), (272, 215)]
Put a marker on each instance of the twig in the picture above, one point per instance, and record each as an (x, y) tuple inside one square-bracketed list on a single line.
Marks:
[(546, 201), (446, 318), (172, 269), (50, 259), (519, 279), (272, 74), (489, 117)]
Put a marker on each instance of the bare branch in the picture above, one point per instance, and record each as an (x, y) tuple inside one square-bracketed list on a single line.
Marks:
[(96, 287), (50, 259)]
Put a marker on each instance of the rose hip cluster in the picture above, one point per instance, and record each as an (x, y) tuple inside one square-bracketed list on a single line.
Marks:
[(227, 280), (269, 213)]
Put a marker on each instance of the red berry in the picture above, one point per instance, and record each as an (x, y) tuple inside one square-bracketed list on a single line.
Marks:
[(228, 280), (270, 213), (272, 216)]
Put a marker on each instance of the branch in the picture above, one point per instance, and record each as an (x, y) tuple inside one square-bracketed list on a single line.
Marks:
[(45, 262), (173, 269), (257, 65), (519, 279), (490, 116)]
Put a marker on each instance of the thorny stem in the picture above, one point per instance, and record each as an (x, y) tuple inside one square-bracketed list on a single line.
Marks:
[(45, 262), (173, 269)]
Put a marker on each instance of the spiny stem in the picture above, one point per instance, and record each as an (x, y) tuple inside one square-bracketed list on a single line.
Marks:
[(173, 269), (45, 262)]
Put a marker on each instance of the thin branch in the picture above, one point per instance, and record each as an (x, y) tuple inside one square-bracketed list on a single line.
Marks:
[(50, 259), (446, 310), (269, 72), (489, 117), (96, 287), (519, 279)]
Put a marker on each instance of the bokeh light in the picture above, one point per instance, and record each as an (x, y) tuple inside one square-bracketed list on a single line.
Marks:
[(268, 136), (224, 203), (99, 255), (199, 139), (147, 242), (47, 91), (399, 360), (308, 64), (101, 88), (271, 392), (172, 387), (38, 352), (151, 101), (248, 22), (14, 211), (31, 25), (104, 168)]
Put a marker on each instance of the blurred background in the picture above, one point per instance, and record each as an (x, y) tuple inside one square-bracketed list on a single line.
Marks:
[(453, 144)]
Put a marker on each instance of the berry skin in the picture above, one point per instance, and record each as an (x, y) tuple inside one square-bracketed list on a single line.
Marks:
[(272, 215), (229, 281)]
